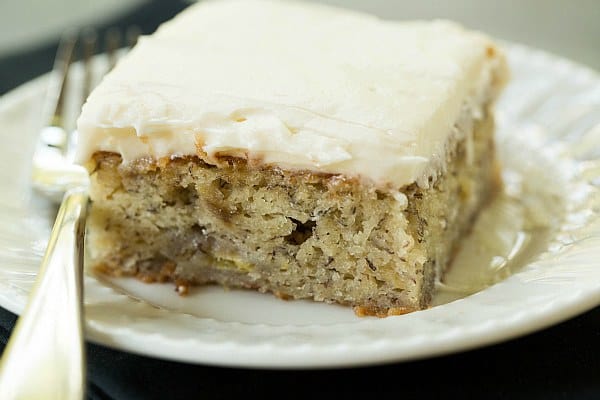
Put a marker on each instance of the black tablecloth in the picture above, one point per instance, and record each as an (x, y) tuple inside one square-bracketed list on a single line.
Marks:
[(562, 362)]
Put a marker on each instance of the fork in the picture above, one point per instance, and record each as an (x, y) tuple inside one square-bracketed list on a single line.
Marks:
[(45, 356)]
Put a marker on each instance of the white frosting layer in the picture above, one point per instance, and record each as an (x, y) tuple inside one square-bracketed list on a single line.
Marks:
[(298, 85)]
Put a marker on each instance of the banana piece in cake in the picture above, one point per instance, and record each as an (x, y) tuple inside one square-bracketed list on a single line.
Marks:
[(292, 148)]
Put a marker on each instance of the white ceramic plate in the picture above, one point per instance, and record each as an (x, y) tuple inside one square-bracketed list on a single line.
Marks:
[(537, 249)]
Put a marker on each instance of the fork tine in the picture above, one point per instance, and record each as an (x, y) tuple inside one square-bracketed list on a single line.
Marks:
[(61, 68), (90, 39), (133, 34), (86, 42), (112, 43)]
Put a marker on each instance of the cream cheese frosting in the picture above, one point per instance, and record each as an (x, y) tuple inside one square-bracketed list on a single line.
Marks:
[(292, 84)]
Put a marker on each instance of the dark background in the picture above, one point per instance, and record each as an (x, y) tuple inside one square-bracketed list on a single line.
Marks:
[(562, 362)]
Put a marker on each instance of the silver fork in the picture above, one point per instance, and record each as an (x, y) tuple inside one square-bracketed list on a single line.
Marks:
[(45, 356)]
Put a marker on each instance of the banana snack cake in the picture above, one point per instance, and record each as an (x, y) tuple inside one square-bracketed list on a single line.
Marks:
[(292, 148)]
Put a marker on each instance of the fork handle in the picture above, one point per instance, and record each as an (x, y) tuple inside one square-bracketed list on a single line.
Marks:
[(45, 356)]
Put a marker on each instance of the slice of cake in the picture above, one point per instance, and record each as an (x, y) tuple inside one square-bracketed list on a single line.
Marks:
[(292, 148)]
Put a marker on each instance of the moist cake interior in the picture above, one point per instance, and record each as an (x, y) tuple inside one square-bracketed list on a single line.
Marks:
[(296, 234)]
